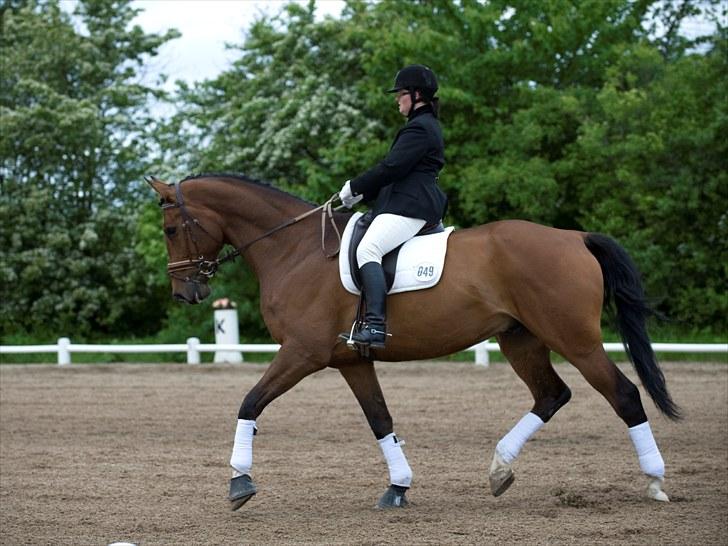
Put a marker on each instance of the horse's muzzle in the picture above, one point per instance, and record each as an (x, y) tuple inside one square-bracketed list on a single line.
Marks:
[(191, 292)]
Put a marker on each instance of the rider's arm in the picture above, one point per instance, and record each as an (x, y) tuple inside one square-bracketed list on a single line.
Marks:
[(410, 147)]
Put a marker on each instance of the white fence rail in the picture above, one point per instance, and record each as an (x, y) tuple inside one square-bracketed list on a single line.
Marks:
[(64, 348)]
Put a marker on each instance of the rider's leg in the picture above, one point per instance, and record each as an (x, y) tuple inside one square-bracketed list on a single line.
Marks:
[(386, 233), (374, 285)]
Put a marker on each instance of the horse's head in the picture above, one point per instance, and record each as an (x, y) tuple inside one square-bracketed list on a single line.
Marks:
[(194, 238)]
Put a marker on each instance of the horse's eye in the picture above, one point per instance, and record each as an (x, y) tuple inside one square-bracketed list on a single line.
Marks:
[(170, 231)]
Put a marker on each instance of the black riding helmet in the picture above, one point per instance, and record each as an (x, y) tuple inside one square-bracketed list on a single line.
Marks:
[(416, 77)]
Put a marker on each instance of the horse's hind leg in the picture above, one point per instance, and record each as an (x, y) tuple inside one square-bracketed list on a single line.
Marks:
[(529, 357), (624, 397), (362, 379)]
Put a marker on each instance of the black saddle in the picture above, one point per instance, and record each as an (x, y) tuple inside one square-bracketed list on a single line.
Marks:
[(389, 261)]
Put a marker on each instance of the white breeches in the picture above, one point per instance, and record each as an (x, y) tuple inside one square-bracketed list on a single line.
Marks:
[(386, 233)]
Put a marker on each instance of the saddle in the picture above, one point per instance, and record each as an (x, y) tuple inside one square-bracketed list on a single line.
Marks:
[(389, 261), (414, 265)]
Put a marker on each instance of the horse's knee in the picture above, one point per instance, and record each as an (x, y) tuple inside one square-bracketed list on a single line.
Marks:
[(628, 403), (547, 406)]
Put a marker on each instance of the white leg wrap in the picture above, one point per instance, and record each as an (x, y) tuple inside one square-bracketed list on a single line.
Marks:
[(242, 457), (649, 456), (400, 472), (511, 444)]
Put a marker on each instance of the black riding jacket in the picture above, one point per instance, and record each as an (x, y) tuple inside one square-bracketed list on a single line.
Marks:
[(405, 182)]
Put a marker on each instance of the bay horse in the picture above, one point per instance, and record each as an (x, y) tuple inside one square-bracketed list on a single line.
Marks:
[(537, 289)]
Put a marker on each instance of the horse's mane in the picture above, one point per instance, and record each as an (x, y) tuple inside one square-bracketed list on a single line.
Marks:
[(237, 177)]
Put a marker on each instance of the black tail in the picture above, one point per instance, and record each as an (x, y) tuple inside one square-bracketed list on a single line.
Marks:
[(623, 290)]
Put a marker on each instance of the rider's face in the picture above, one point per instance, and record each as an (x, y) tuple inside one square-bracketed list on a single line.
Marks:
[(404, 100)]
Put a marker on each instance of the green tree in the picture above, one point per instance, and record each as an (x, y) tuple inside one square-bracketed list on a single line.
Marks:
[(657, 177), (288, 111), (74, 121)]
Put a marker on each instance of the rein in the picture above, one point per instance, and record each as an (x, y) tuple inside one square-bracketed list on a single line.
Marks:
[(208, 268)]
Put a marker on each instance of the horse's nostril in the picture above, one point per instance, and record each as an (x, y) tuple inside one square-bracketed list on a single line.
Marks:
[(179, 297)]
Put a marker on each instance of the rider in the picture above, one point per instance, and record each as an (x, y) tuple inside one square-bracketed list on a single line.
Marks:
[(403, 187)]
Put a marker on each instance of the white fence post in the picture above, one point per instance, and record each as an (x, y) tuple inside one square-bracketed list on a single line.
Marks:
[(482, 356), (193, 351), (227, 332), (64, 355)]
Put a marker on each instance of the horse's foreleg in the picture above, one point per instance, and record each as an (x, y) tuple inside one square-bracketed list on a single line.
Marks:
[(289, 366), (624, 397), (362, 379), (529, 357)]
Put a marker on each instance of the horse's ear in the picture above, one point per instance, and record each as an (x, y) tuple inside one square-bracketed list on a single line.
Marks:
[(162, 188)]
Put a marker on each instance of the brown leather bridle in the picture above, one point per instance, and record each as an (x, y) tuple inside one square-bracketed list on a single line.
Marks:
[(205, 269)]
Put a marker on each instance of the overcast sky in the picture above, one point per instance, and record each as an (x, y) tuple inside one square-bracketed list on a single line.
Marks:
[(206, 25)]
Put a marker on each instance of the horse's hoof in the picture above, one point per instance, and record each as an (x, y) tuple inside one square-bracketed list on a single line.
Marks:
[(394, 497), (655, 492), (242, 490), (501, 475), (500, 483)]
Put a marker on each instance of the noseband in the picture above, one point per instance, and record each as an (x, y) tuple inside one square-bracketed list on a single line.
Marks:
[(206, 269)]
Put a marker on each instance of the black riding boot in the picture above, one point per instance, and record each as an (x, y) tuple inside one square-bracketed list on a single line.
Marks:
[(374, 286)]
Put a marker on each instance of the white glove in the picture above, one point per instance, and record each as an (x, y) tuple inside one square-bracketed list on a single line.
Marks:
[(348, 199)]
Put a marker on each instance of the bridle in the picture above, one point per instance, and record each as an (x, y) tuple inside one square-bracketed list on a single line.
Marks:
[(204, 269)]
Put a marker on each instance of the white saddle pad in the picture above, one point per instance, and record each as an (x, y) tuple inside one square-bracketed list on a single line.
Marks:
[(419, 264)]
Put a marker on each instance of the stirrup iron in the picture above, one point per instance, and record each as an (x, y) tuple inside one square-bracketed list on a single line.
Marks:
[(350, 342)]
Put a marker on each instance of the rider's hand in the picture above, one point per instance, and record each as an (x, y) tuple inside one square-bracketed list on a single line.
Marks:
[(348, 199)]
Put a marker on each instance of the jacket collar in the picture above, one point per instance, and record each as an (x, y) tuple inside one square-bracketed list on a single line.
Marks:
[(419, 111)]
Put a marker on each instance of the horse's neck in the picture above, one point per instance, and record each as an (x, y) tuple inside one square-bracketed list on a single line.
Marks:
[(249, 211)]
